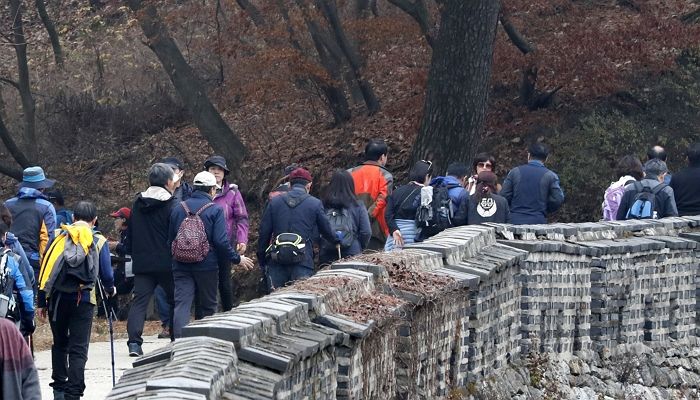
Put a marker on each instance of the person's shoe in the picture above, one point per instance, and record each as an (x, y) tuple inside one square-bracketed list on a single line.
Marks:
[(135, 350), (165, 333)]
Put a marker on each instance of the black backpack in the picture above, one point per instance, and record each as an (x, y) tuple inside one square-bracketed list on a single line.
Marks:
[(436, 216), (7, 284), (78, 271), (644, 203), (342, 225)]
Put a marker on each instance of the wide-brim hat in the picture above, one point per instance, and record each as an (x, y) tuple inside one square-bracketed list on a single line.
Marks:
[(218, 161), (34, 177)]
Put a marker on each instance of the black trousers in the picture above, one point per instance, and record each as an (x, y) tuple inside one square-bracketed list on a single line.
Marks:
[(144, 286), (225, 292), (71, 324), (189, 285)]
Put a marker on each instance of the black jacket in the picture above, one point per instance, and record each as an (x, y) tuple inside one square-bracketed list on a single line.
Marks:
[(402, 204), (306, 218), (493, 209), (665, 199), (215, 226), (686, 190), (147, 233)]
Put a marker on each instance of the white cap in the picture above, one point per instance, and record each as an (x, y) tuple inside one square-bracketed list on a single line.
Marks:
[(204, 178)]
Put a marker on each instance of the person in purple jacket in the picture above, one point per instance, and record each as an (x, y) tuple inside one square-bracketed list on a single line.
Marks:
[(236, 215)]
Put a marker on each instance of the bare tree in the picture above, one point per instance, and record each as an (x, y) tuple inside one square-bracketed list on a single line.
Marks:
[(187, 83), (51, 30), (419, 12), (458, 82)]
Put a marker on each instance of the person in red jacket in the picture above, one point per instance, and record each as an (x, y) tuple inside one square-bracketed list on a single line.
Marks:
[(373, 184)]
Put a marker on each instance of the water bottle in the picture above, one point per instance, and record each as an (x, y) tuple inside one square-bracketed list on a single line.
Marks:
[(656, 215)]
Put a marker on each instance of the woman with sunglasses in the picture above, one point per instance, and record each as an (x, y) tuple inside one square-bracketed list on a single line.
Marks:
[(482, 162), (403, 204)]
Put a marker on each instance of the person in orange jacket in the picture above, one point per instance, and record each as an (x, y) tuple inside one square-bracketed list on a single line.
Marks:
[(373, 184)]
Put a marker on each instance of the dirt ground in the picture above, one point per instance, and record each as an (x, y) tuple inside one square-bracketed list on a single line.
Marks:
[(100, 332)]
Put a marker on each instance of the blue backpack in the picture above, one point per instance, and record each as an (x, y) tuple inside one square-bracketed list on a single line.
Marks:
[(645, 202)]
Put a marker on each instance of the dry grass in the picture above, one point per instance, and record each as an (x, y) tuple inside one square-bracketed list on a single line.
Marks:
[(100, 332)]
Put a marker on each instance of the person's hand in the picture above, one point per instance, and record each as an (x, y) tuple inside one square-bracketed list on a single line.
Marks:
[(246, 263), (43, 312), (241, 248), (398, 239)]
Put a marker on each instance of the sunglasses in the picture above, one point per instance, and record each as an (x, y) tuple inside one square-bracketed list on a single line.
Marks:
[(486, 165)]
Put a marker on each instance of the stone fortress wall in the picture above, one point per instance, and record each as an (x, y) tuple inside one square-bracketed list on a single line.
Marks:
[(442, 315)]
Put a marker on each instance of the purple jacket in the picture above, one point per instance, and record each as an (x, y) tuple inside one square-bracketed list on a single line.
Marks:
[(235, 213)]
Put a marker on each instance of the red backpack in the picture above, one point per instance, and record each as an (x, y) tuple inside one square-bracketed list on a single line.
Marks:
[(191, 244)]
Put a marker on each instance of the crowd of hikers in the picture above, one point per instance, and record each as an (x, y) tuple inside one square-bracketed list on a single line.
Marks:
[(178, 241)]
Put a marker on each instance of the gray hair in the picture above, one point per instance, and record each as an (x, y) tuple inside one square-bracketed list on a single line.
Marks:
[(159, 174), (655, 168)]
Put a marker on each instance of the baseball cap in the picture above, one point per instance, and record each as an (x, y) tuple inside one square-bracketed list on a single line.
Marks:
[(124, 212), (204, 178), (301, 173)]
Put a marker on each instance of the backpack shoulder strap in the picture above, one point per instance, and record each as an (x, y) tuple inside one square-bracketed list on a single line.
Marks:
[(187, 209), (658, 188), (204, 207), (638, 186), (101, 240)]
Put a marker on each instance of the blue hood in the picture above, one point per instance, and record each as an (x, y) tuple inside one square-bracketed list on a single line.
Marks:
[(30, 193), (444, 180)]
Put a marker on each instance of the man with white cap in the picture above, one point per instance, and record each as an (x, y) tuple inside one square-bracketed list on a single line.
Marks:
[(34, 217), (198, 275), (147, 242)]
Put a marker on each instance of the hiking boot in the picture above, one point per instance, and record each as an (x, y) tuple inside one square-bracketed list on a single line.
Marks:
[(135, 350), (165, 333)]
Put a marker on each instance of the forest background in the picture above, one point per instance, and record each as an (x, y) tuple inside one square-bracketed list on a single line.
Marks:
[(95, 91)]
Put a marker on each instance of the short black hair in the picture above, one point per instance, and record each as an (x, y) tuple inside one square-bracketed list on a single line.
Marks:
[(693, 154), (200, 188), (458, 170), (630, 165), (538, 151), (656, 152), (85, 211), (375, 149), (419, 171)]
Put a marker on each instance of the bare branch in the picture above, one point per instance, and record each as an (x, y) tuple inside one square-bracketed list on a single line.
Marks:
[(419, 12), (514, 35)]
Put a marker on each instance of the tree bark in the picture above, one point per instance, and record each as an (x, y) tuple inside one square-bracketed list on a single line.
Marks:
[(458, 83), (419, 12), (514, 35), (25, 91), (188, 85), (330, 10), (253, 12), (51, 30)]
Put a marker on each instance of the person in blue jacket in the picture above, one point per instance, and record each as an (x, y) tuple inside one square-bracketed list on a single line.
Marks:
[(455, 181), (14, 286), (298, 213), (532, 190), (201, 279)]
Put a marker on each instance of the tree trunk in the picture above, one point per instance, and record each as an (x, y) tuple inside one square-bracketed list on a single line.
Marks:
[(51, 30), (25, 90), (188, 85), (419, 12), (458, 83), (330, 10), (252, 11)]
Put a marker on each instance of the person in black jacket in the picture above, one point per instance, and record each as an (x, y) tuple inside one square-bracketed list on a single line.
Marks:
[(339, 196), (201, 278), (402, 205), (299, 213), (147, 242), (686, 184), (484, 205)]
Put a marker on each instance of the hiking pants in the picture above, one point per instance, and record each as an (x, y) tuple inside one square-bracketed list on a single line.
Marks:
[(188, 284), (164, 308), (144, 286), (225, 287), (281, 275), (71, 324)]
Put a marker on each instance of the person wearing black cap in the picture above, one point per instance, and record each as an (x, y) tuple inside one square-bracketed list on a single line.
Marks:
[(236, 215), (295, 217), (33, 214), (64, 216), (183, 190)]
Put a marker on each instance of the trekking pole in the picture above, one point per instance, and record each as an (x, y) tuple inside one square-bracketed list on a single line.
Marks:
[(111, 330), (340, 256)]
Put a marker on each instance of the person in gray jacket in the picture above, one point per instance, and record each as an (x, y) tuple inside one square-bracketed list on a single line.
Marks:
[(655, 172)]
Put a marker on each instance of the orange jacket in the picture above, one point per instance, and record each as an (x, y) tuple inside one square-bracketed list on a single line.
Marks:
[(373, 184)]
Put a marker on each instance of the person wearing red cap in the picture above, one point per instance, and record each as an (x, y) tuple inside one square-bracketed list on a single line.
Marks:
[(121, 223), (293, 219)]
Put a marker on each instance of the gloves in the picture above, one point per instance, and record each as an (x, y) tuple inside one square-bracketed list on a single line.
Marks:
[(27, 326)]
